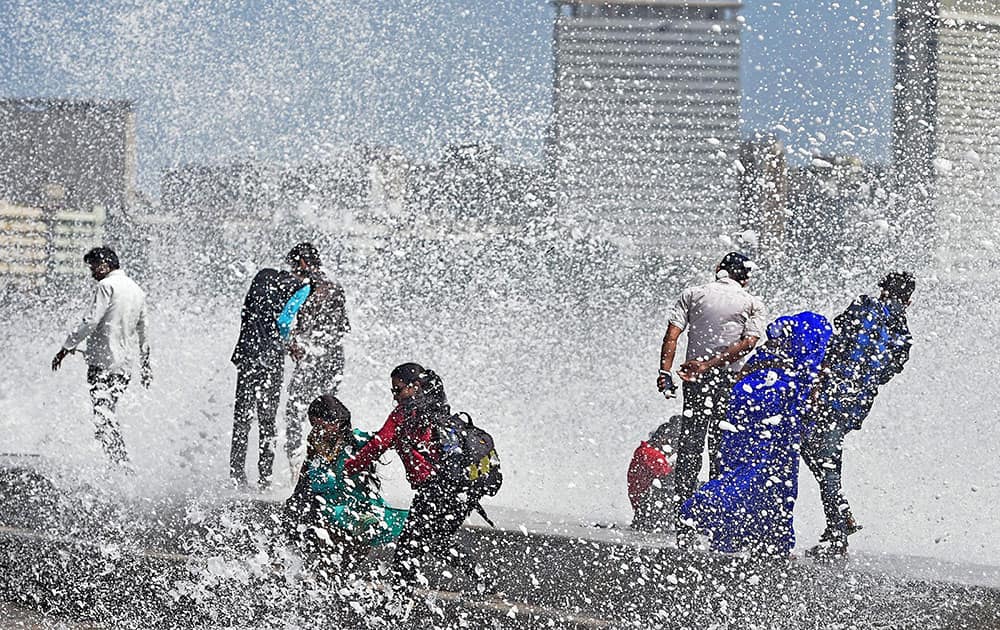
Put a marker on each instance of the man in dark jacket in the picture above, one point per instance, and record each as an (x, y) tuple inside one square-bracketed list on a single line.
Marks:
[(317, 345), (871, 345), (259, 358)]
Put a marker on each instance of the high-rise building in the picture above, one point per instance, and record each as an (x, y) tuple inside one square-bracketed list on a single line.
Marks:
[(645, 126), (67, 178), (946, 129), (82, 152), (763, 168)]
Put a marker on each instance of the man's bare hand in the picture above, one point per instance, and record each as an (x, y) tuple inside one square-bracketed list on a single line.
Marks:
[(661, 382), (693, 369), (665, 383), (57, 361)]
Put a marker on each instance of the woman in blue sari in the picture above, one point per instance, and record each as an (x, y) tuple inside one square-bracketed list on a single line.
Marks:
[(749, 506)]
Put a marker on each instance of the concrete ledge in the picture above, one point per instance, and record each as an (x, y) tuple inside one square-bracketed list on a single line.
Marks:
[(226, 566)]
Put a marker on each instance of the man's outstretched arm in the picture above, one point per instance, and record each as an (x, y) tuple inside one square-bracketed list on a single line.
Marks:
[(667, 352)]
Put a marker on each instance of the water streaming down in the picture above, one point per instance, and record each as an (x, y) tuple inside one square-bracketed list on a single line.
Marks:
[(543, 328)]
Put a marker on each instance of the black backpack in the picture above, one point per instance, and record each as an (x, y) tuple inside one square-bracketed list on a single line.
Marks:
[(469, 459)]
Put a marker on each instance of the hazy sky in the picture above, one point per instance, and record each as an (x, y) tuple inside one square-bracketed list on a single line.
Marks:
[(237, 80)]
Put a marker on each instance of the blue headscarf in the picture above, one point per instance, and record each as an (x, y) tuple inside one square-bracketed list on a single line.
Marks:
[(797, 342), (749, 506)]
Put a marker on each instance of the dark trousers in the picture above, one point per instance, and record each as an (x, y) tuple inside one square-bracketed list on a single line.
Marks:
[(823, 453), (258, 390), (705, 403), (313, 377), (435, 515), (106, 388), (654, 512)]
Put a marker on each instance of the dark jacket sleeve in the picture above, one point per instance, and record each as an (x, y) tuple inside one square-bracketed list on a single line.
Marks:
[(851, 322), (259, 338), (898, 349), (849, 325)]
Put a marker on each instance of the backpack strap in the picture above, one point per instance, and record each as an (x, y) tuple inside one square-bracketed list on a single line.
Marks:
[(482, 512)]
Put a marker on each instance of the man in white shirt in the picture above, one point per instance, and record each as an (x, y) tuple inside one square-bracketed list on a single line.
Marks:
[(114, 328), (724, 323)]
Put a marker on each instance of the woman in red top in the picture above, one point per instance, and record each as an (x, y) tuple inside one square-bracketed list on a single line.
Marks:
[(437, 510), (408, 430)]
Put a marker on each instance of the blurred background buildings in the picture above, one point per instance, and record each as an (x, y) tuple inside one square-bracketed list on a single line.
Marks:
[(67, 172), (645, 173), (946, 130)]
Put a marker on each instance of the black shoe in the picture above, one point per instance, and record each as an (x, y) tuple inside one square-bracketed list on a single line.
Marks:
[(830, 534), (852, 526), (828, 551)]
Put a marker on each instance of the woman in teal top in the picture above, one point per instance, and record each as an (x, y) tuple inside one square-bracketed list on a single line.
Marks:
[(329, 508)]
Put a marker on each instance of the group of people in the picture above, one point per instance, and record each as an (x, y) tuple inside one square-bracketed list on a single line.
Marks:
[(336, 497), (335, 508), (800, 393), (299, 312)]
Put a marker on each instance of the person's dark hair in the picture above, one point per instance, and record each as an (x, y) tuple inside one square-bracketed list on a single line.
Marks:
[(737, 266), (898, 285), (100, 255), (409, 373), (666, 432), (305, 252), (430, 401), (431, 396), (328, 408)]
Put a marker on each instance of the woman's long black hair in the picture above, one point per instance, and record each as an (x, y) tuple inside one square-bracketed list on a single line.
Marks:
[(430, 401), (328, 408), (409, 373)]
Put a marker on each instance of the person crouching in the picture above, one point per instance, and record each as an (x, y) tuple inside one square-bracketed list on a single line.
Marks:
[(336, 515), (651, 479)]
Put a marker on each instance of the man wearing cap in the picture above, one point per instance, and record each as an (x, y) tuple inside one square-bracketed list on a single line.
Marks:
[(114, 329), (871, 345), (724, 323)]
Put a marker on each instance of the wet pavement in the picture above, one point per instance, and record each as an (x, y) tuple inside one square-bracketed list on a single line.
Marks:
[(18, 618), (222, 563)]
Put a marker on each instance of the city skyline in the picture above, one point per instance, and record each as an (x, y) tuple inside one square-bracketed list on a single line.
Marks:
[(288, 85)]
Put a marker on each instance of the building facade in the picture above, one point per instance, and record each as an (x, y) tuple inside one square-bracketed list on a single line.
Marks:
[(67, 170), (946, 130), (645, 128), (763, 176), (81, 153)]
